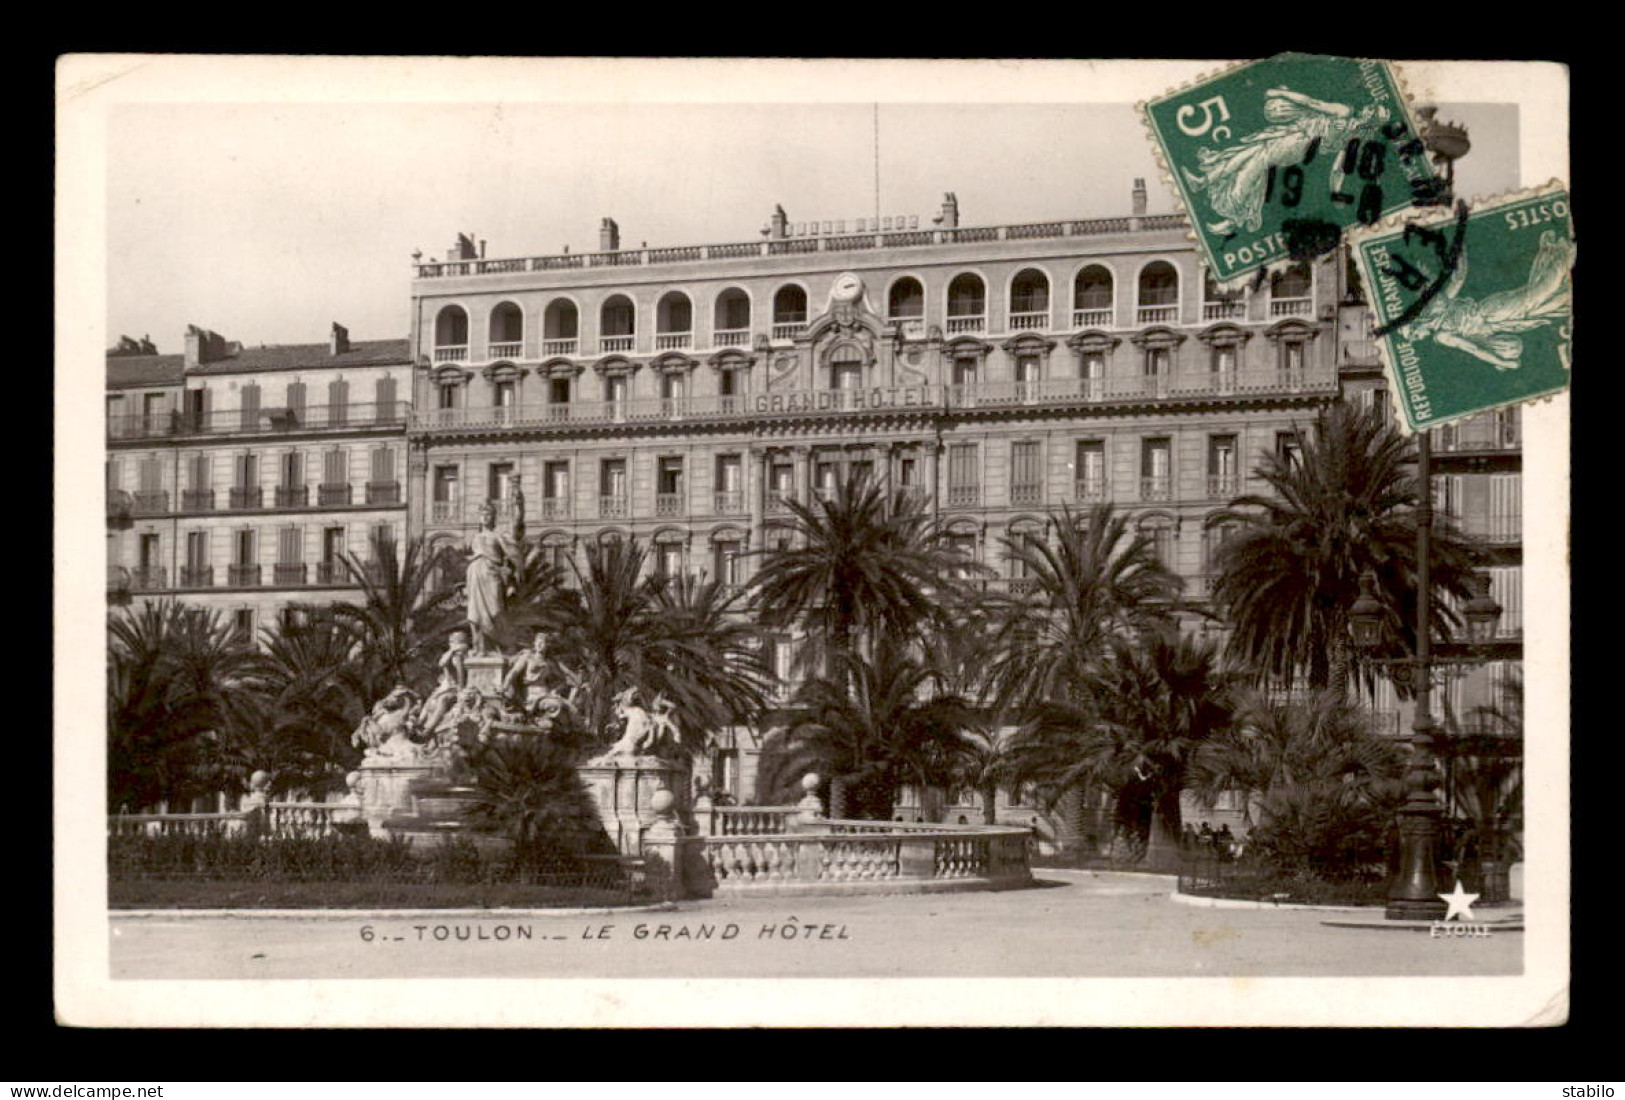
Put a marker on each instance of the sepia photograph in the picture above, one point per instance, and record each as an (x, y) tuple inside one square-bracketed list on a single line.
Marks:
[(821, 532)]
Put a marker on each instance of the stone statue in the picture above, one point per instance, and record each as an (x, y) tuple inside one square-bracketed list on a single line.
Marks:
[(386, 733), (537, 681), (644, 727), (453, 678), (490, 565)]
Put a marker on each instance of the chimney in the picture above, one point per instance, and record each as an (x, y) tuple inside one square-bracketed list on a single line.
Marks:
[(949, 218), (1138, 208), (609, 236), (203, 346), (462, 249), (339, 342), (482, 248), (779, 224)]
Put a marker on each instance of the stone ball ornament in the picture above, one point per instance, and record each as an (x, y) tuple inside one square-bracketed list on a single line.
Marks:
[(810, 782), (662, 801), (259, 781)]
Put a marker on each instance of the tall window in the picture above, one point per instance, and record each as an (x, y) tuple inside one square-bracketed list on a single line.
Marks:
[(383, 396), (669, 559), (965, 370), (1090, 470), (331, 568), (1159, 292), (730, 484), (197, 555), (293, 470), (447, 396), (1289, 447), (1159, 530), (445, 493), (383, 466), (338, 402), (728, 561), (249, 400), (290, 546), (296, 401), (1155, 469), (615, 389), (242, 625), (556, 481), (964, 474), (846, 370), (669, 486), (499, 485), (826, 476), (905, 300), (505, 394), (244, 546), (1221, 466), (1223, 366), (1092, 297), (1026, 472), (612, 479)]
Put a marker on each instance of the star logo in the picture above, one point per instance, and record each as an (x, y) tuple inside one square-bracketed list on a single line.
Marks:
[(1460, 903)]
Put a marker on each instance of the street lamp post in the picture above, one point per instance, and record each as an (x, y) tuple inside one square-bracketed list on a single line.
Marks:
[(1414, 893)]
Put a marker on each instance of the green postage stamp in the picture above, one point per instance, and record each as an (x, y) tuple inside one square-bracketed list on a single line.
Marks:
[(1275, 158), (1474, 307)]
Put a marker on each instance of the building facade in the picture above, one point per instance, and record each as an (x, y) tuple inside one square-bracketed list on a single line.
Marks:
[(681, 394), (238, 477)]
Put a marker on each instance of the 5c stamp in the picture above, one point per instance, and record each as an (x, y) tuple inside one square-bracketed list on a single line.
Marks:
[(1275, 158)]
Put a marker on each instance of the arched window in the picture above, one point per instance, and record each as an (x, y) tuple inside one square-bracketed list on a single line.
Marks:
[(507, 332), (1029, 301), (1219, 304), (731, 321), (905, 301), (967, 304), (1292, 291), (789, 312), (674, 321), (560, 325), (1092, 294), (617, 324), (1159, 293), (451, 335)]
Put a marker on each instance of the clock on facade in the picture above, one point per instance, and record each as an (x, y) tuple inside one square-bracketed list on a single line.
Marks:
[(848, 287)]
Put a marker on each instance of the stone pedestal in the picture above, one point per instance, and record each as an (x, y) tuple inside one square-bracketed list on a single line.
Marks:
[(385, 790), (623, 790), (485, 673)]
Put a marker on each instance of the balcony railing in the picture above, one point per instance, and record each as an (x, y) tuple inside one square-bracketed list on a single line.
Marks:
[(913, 327), (731, 338), (1090, 490), (1195, 385), (1156, 488), (616, 343), (788, 330), (1496, 527), (565, 345), (333, 493), (197, 500), (555, 507), (451, 353), (1026, 494), (612, 507), (148, 578), (670, 341), (149, 503), (293, 496), (443, 511), (332, 572), (383, 492), (1221, 486), (1091, 318), (728, 502), (1028, 321), (1223, 311), (263, 421), (1157, 315), (967, 323), (668, 504), (778, 502), (119, 505), (197, 576), (1291, 307), (247, 497), (964, 496), (243, 576), (507, 349), (1485, 432), (640, 257), (289, 573)]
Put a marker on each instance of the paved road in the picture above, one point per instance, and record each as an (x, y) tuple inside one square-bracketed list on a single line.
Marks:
[(1079, 925)]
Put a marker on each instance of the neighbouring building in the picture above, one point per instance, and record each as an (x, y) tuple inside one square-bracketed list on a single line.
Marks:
[(237, 477)]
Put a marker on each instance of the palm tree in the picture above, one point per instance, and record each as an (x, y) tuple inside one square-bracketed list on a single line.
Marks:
[(681, 638), (1098, 579), (174, 674), (1324, 747), (1142, 713), (1289, 574), (875, 724), (529, 787), (863, 562), (408, 607)]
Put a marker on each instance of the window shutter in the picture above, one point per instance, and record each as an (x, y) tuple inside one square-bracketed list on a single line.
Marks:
[(385, 397), (289, 548), (338, 394), (115, 475), (296, 398), (383, 464), (335, 469), (152, 476), (251, 405)]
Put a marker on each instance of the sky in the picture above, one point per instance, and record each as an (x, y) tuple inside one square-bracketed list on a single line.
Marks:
[(268, 221)]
